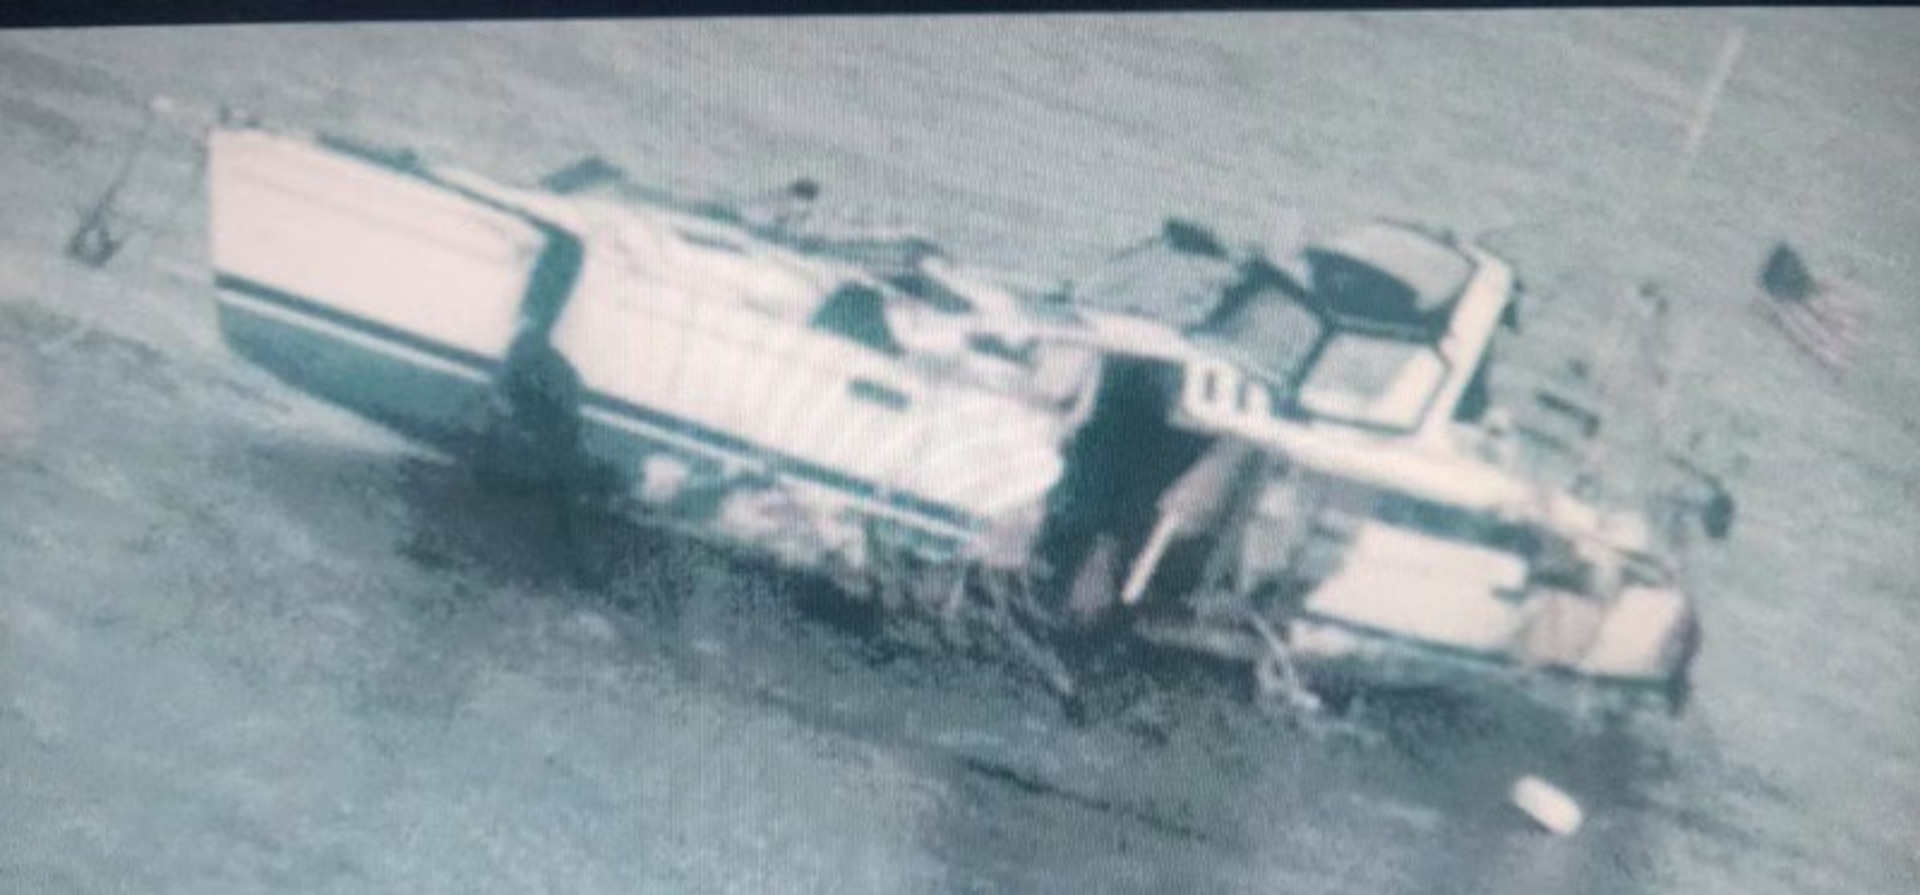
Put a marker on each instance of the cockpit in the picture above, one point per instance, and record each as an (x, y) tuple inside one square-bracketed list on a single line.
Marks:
[(1346, 341)]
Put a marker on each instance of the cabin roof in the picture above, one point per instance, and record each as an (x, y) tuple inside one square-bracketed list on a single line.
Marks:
[(1433, 270)]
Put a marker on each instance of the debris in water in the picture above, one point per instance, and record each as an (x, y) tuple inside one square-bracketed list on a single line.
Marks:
[(1785, 276), (1718, 508), (97, 239), (1820, 321), (1548, 805), (95, 242)]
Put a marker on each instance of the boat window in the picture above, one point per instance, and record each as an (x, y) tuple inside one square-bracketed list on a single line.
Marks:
[(1265, 330), (1376, 383), (1159, 278), (858, 313), (995, 346), (1453, 523), (930, 291), (1388, 273), (1354, 290)]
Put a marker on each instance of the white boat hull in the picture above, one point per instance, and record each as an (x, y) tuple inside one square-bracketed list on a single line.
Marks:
[(1332, 652), (394, 290), (377, 291)]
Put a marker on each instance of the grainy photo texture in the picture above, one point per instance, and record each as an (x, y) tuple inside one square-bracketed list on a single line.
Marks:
[(1318, 452)]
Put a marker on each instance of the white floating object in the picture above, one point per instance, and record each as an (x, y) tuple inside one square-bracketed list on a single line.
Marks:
[(1547, 805)]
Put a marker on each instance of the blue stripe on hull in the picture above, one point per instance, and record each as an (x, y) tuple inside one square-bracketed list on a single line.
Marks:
[(433, 405), (438, 393), (478, 363)]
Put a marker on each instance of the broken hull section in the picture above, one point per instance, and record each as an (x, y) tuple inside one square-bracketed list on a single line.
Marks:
[(1334, 656), (1454, 575), (393, 290)]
